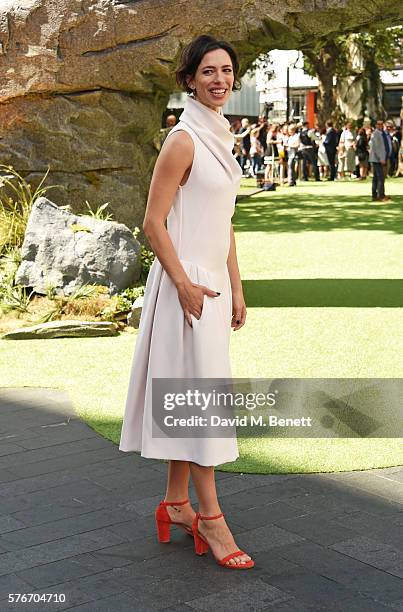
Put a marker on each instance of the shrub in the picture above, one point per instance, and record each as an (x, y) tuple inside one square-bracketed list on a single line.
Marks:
[(15, 209)]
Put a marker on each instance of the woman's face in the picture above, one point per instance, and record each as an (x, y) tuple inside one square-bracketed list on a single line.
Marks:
[(214, 79)]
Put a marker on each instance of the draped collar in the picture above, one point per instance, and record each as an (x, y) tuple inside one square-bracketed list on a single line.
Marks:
[(213, 129)]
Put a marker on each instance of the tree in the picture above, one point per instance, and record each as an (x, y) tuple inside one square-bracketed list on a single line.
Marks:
[(361, 55)]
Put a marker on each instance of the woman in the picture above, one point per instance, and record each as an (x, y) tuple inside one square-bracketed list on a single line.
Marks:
[(293, 145), (323, 161), (272, 152), (282, 138), (256, 149), (193, 295), (347, 151), (361, 148)]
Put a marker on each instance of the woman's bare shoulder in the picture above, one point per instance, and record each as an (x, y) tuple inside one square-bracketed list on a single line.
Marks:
[(180, 139), (176, 153)]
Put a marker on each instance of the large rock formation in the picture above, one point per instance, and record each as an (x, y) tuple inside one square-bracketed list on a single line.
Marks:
[(84, 82)]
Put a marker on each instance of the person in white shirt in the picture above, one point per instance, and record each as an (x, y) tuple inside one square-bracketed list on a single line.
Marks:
[(293, 145), (347, 145)]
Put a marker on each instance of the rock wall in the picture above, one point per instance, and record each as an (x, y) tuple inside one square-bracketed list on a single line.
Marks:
[(83, 83)]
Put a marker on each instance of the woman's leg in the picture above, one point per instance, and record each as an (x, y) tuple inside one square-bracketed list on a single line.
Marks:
[(216, 532), (178, 490)]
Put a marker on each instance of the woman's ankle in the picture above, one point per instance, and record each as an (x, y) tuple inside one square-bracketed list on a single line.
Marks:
[(214, 510), (180, 497)]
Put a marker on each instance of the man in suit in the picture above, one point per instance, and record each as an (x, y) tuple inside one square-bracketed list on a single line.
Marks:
[(330, 144), (378, 155), (309, 152)]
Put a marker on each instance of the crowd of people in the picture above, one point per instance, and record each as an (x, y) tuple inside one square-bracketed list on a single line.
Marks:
[(286, 152)]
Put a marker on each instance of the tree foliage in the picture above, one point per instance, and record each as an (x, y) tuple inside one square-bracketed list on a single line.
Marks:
[(333, 57)]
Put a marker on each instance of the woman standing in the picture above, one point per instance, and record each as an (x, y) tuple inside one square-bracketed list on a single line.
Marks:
[(323, 161), (256, 149), (193, 295), (361, 148), (272, 152)]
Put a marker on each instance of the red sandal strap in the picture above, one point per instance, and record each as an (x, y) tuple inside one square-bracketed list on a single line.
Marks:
[(210, 518), (181, 503), (237, 553)]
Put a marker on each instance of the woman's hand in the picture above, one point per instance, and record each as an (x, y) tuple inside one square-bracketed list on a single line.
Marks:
[(191, 297), (238, 310)]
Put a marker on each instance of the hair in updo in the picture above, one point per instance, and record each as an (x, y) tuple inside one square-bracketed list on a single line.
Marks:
[(193, 54)]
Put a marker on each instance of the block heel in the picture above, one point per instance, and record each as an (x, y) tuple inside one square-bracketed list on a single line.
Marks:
[(163, 521)]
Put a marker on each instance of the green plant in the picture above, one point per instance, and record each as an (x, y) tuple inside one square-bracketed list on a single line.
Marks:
[(99, 212), (15, 298), (50, 289), (9, 263), (15, 209), (146, 257), (126, 298), (83, 300)]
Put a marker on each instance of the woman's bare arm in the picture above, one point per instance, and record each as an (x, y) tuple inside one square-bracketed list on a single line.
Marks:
[(173, 162), (238, 301)]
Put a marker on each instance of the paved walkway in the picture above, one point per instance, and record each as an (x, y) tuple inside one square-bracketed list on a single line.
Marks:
[(76, 518)]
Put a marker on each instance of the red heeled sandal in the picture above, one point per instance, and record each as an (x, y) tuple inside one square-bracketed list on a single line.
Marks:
[(202, 546), (164, 521)]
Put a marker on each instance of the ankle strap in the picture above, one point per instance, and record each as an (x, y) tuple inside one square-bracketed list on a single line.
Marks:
[(173, 503), (209, 518)]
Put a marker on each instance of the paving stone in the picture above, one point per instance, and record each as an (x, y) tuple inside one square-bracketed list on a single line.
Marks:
[(139, 550), (294, 605), (396, 476), (266, 538), (356, 575), (64, 462), (11, 562), (6, 476), (49, 574), (344, 501), (83, 490), (138, 528), (364, 523), (312, 589), (9, 523), (57, 434), (30, 536), (37, 483), (52, 452), (82, 590), (13, 584), (324, 532), (252, 596), (260, 496), (129, 601), (114, 482), (181, 607), (7, 449), (381, 487), (374, 553)]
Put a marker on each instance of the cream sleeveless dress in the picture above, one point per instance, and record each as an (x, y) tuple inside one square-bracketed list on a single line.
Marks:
[(167, 347)]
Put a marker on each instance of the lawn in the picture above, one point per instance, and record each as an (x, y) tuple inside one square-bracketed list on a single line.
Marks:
[(321, 267)]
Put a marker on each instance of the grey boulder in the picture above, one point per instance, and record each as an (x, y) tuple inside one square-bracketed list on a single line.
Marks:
[(67, 251), (133, 318)]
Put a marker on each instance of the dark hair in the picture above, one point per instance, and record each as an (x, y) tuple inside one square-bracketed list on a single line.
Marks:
[(329, 123), (193, 54)]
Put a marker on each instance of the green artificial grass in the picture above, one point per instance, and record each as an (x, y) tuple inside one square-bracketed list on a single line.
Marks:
[(322, 275)]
